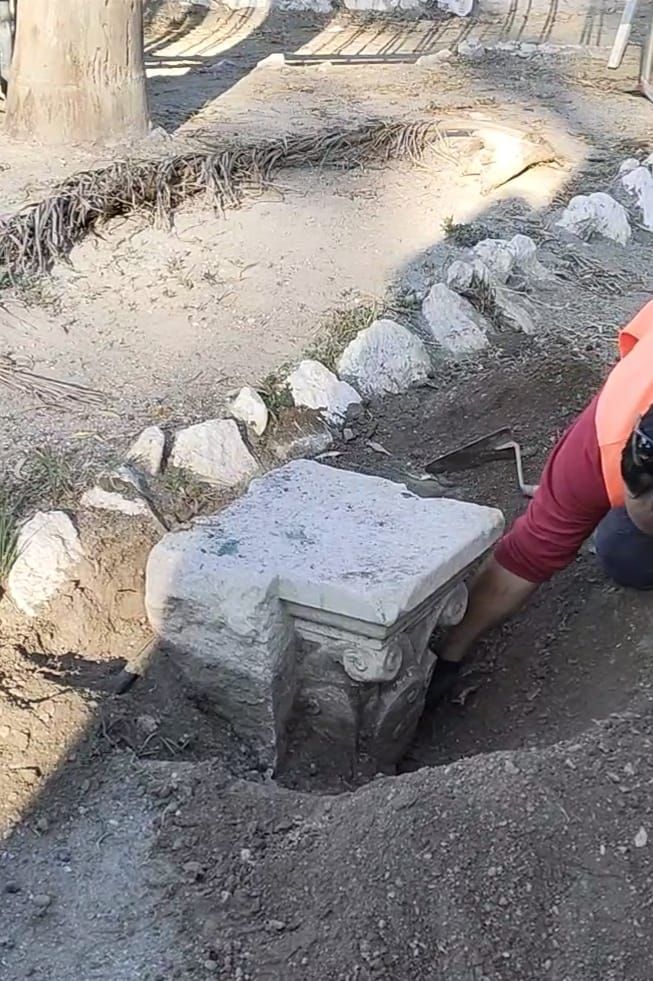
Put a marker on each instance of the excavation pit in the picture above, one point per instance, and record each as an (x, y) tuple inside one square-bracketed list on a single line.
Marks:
[(313, 598)]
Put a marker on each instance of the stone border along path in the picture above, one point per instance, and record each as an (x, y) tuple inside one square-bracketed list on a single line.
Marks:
[(384, 358)]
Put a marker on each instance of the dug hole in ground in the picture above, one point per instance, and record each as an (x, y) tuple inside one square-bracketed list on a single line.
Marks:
[(140, 839)]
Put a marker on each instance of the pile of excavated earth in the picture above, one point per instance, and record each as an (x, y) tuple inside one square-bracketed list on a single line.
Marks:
[(268, 832)]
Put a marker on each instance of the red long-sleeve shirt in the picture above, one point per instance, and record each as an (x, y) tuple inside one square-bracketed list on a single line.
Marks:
[(570, 502)]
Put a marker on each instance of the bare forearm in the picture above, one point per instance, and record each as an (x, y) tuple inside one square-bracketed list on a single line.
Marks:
[(494, 596)]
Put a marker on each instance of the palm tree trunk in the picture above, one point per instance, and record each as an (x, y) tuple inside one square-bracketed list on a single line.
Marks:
[(78, 72), (5, 43)]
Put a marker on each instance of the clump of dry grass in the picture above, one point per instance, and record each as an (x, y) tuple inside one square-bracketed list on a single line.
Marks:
[(10, 509), (340, 329), (35, 237)]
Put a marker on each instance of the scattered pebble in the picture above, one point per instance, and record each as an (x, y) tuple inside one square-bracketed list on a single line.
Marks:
[(275, 926), (641, 838), (195, 870), (42, 902)]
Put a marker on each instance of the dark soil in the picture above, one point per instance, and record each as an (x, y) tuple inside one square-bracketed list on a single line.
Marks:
[(504, 867), (578, 652)]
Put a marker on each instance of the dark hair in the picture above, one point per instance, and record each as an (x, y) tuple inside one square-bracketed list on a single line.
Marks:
[(637, 457)]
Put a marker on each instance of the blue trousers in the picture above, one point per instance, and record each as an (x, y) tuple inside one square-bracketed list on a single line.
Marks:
[(625, 552)]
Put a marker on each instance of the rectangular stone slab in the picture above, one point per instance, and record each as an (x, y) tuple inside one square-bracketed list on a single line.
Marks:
[(342, 542)]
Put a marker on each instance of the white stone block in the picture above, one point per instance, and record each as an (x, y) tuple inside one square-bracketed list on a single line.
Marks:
[(453, 321), (596, 213), (472, 49), (384, 359), (147, 450), (103, 500), (463, 276), (639, 184), (249, 407), (496, 254), (48, 551), (215, 452), (275, 60), (312, 385), (436, 59), (524, 251), (349, 564), (460, 8), (381, 6), (631, 163)]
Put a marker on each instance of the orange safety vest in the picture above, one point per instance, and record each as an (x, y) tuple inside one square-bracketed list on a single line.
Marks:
[(626, 395)]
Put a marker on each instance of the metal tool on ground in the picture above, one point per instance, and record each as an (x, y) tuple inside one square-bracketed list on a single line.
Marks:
[(498, 445), (621, 43), (134, 668)]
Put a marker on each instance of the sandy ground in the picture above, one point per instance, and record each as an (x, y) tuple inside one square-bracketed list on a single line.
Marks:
[(166, 324), (140, 842)]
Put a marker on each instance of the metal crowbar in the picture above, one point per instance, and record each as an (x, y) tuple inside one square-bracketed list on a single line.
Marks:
[(498, 445)]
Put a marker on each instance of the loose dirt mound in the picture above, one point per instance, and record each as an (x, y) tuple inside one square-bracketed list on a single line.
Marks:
[(503, 867)]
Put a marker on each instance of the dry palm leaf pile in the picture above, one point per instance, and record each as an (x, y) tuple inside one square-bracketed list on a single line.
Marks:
[(16, 374), (35, 237)]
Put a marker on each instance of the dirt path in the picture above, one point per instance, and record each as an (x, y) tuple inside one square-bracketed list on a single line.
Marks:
[(167, 324), (139, 841)]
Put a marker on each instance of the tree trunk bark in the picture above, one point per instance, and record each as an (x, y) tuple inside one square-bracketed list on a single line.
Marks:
[(78, 71), (5, 43)]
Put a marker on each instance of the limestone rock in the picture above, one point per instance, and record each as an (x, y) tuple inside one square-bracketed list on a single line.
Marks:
[(639, 184), (275, 60), (436, 59), (471, 49), (463, 276), (631, 163), (381, 6), (384, 359), (468, 277), (105, 500), (299, 433), (215, 452), (306, 588), (48, 550), (460, 8), (496, 254), (524, 251), (598, 213), (513, 312), (147, 450), (249, 407), (453, 321), (315, 387)]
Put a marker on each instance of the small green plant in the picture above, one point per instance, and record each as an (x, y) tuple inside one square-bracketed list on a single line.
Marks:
[(275, 391), (338, 331), (9, 516), (50, 476), (463, 235)]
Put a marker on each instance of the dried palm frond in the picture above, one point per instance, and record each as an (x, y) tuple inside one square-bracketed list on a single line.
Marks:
[(16, 373), (35, 237)]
